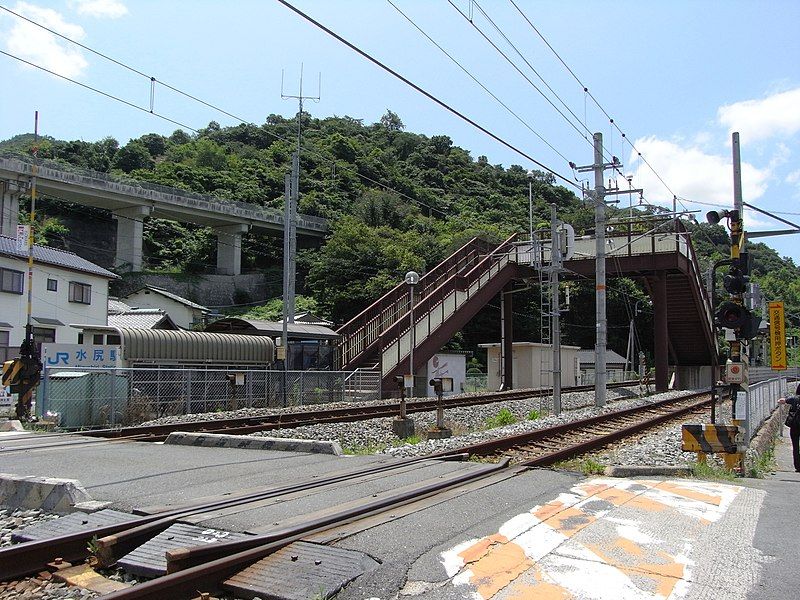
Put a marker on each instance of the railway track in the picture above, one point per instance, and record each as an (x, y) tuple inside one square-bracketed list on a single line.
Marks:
[(208, 567), (248, 425), (545, 447)]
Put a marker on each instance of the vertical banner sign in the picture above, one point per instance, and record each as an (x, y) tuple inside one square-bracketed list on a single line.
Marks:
[(22, 237), (777, 336)]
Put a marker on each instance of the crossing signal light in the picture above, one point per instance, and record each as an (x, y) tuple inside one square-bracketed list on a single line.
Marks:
[(730, 315), (735, 281)]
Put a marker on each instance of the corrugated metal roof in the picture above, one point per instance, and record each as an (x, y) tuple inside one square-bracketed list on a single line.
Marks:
[(153, 345), (297, 331), (53, 256)]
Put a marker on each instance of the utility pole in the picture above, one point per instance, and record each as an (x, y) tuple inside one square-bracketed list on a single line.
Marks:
[(292, 198), (737, 245), (555, 269), (598, 196)]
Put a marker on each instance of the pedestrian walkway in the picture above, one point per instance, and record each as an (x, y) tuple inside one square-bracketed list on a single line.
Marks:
[(643, 539), (616, 538)]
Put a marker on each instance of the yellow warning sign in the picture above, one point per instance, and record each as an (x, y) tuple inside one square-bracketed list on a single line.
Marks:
[(777, 336)]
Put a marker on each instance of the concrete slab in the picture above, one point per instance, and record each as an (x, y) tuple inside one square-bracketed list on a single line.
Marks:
[(149, 559), (70, 524), (52, 494), (247, 442)]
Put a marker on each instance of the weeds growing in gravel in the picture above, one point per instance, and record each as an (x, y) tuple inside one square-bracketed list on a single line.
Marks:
[(763, 464), (592, 467), (587, 466), (364, 450), (412, 439), (504, 417), (712, 471), (533, 415)]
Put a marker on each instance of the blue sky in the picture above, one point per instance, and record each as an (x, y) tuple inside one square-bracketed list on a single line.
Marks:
[(677, 77)]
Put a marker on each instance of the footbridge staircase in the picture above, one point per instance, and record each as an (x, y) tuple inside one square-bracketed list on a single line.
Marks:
[(445, 299), (453, 292)]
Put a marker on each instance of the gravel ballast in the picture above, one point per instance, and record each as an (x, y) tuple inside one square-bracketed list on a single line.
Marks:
[(470, 425)]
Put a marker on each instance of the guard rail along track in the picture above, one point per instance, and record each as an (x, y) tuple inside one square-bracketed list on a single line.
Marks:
[(545, 447)]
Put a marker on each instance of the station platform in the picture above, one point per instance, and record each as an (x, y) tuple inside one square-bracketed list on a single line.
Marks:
[(542, 534)]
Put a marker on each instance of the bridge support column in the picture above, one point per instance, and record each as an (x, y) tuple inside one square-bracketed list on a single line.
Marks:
[(130, 226), (9, 208), (229, 248), (507, 335), (661, 332)]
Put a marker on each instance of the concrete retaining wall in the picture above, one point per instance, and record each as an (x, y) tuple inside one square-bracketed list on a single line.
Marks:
[(208, 290), (765, 438)]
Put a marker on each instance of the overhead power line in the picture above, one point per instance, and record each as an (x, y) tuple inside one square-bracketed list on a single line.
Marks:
[(530, 66), (154, 80), (594, 99), (425, 93), (98, 91), (475, 79)]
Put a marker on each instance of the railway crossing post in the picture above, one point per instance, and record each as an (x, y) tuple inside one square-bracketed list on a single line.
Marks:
[(440, 385), (402, 426)]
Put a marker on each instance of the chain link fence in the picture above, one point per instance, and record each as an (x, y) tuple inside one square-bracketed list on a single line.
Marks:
[(85, 398)]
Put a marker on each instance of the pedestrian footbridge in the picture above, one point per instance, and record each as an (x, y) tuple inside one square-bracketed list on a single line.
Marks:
[(451, 293)]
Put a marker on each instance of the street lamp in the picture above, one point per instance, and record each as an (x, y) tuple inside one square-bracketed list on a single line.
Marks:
[(412, 279)]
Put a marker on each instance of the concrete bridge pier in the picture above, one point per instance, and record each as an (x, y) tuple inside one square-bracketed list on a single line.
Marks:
[(9, 208), (130, 226), (229, 248)]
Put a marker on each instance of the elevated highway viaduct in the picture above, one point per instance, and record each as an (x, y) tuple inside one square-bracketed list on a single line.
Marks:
[(131, 201)]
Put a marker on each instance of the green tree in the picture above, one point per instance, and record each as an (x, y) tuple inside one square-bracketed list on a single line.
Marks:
[(133, 156)]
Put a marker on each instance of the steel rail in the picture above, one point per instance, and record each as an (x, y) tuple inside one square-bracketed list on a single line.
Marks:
[(557, 434), (205, 567), (247, 425), (30, 557), (243, 425)]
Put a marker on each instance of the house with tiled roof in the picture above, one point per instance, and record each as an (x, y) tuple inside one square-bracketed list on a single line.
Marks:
[(183, 312), (66, 289)]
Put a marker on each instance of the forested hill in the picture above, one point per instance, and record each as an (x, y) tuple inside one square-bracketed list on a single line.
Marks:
[(397, 201)]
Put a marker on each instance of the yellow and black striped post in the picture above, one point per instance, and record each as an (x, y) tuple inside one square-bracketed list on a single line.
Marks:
[(707, 438)]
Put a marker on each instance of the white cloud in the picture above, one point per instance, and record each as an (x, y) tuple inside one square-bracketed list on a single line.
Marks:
[(110, 9), (775, 115), (43, 48), (692, 173)]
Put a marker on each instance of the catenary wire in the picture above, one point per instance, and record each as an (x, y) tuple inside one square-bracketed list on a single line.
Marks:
[(313, 151), (511, 62), (476, 80), (425, 93)]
